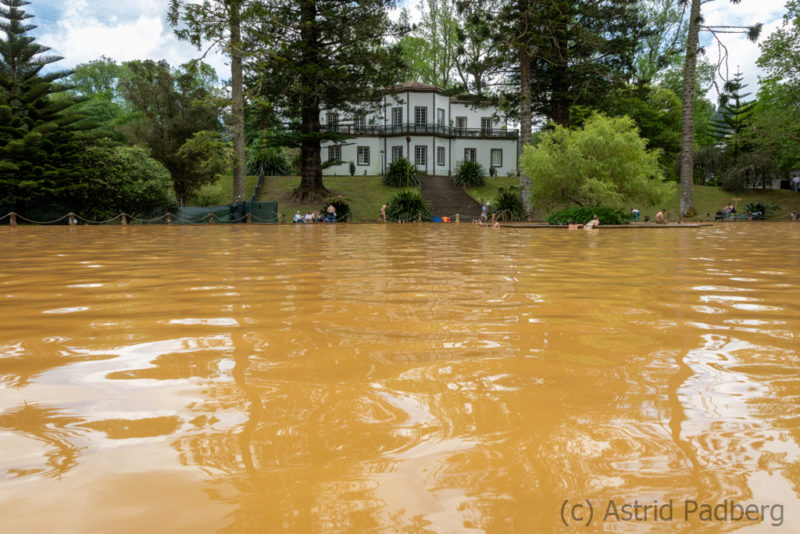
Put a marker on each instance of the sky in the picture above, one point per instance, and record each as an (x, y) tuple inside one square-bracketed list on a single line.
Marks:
[(84, 30)]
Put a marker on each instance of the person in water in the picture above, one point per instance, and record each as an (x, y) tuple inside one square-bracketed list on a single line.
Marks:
[(594, 223)]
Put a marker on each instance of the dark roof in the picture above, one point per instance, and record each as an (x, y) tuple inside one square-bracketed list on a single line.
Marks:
[(417, 86)]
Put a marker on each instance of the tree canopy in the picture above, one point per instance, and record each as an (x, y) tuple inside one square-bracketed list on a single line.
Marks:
[(323, 53), (604, 163), (39, 145), (172, 107)]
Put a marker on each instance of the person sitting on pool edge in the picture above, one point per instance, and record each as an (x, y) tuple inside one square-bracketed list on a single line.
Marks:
[(298, 218), (594, 223), (661, 216)]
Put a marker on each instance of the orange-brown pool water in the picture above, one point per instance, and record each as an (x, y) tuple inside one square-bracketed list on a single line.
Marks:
[(399, 378)]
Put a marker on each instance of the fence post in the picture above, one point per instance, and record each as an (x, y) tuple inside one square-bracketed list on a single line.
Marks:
[(169, 218), (72, 220), (348, 219), (13, 219), (248, 218), (211, 219), (124, 220), (458, 218), (283, 218), (493, 216)]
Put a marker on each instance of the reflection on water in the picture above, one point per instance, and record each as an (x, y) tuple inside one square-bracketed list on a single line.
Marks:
[(432, 378)]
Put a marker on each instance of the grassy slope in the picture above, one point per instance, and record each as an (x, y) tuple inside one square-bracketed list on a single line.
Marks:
[(365, 194), (227, 188), (708, 199)]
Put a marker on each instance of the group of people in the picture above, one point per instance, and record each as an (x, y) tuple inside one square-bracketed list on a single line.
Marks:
[(661, 216), (592, 224), (315, 216), (728, 212)]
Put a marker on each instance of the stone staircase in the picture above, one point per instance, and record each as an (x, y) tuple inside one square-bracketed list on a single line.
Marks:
[(447, 200)]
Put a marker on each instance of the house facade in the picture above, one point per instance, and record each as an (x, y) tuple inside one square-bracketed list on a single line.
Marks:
[(418, 122)]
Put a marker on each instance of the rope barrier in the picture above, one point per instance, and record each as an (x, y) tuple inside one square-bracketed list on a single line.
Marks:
[(125, 219)]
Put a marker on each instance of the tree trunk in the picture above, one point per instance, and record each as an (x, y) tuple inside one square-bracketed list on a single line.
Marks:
[(687, 112), (311, 186), (525, 96), (525, 134), (237, 126)]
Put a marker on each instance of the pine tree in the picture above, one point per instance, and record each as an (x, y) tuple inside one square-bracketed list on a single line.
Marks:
[(734, 115), (323, 53), (39, 151)]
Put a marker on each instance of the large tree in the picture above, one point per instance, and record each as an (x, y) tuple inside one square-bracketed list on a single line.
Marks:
[(173, 106), (776, 120), (431, 51), (317, 54), (97, 85), (604, 163), (219, 22), (688, 96), (39, 148)]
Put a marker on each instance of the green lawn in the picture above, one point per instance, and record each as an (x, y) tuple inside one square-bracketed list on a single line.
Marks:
[(709, 199), (365, 194)]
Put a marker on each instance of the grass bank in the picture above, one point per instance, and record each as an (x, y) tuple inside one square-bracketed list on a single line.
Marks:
[(709, 199), (365, 194)]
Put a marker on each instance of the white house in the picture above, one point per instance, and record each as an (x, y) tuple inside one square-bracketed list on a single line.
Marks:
[(437, 131)]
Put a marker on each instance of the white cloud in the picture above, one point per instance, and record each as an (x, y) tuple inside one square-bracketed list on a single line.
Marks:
[(85, 30), (741, 53)]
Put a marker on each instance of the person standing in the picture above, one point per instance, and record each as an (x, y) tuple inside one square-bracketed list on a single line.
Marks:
[(796, 183), (331, 213), (382, 216), (635, 215)]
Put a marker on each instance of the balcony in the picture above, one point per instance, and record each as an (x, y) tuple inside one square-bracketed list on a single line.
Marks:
[(421, 129)]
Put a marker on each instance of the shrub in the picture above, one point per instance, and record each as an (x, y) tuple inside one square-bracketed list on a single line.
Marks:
[(469, 174), (352, 169), (121, 179), (401, 174), (606, 163), (408, 205), (581, 215), (341, 206), (272, 161), (508, 205), (759, 210)]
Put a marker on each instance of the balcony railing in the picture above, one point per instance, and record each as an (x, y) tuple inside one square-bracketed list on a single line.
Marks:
[(421, 129)]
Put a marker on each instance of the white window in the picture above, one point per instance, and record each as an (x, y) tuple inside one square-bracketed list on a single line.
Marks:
[(362, 155), (440, 156), (333, 122), (497, 157), (420, 116), (397, 116), (440, 117), (486, 124), (334, 153), (397, 153), (420, 155), (359, 122), (469, 154)]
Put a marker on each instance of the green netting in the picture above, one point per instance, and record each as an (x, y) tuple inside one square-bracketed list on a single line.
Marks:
[(260, 212), (266, 212)]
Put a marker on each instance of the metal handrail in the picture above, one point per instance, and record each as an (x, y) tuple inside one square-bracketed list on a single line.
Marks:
[(424, 129)]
